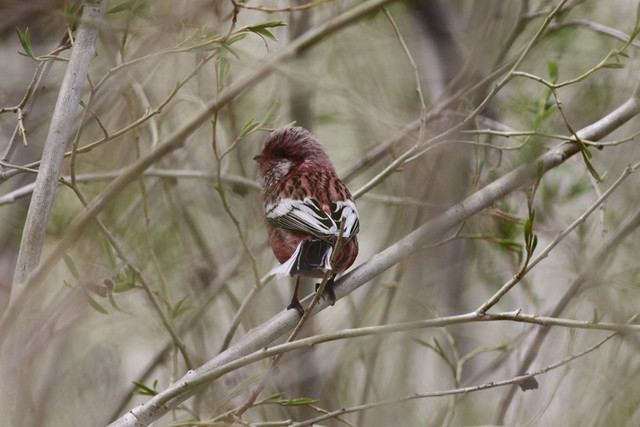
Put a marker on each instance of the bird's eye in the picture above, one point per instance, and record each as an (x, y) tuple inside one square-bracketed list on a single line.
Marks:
[(277, 153)]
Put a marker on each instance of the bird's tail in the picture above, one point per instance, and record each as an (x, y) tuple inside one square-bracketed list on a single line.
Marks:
[(311, 255)]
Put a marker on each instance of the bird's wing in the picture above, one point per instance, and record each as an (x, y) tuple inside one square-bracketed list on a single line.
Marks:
[(346, 211), (307, 216)]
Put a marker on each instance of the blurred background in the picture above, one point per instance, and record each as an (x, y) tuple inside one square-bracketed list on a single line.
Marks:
[(95, 331)]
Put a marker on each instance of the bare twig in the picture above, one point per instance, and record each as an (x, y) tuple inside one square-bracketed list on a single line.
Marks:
[(221, 365), (459, 391), (45, 187)]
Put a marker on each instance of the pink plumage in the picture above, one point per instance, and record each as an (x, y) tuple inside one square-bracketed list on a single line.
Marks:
[(305, 203)]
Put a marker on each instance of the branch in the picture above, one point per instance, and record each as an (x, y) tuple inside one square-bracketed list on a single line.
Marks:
[(585, 277), (221, 365), (62, 121), (238, 180), (463, 390), (284, 322), (179, 136)]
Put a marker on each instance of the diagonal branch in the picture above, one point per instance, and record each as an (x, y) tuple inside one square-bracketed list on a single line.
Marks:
[(285, 322)]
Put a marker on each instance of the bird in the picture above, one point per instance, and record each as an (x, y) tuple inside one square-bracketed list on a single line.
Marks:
[(307, 209)]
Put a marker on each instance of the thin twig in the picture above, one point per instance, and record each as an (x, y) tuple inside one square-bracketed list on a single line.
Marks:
[(458, 391), (495, 298)]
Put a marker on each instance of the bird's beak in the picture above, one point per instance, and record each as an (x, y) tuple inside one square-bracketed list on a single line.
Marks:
[(259, 158)]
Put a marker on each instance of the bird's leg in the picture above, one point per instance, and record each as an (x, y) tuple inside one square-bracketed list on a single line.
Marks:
[(294, 300), (328, 289)]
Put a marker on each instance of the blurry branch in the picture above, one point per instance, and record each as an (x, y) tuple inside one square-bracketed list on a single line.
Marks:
[(117, 247), (586, 277), (433, 229), (545, 12), (35, 227), (265, 9), (483, 198), (148, 115), (246, 303), (237, 413), (166, 312), (228, 270), (382, 149), (458, 391), (178, 138), (416, 74), (192, 382), (61, 123), (413, 152), (599, 28), (379, 151), (259, 284), (28, 100), (559, 237), (518, 28), (234, 180)]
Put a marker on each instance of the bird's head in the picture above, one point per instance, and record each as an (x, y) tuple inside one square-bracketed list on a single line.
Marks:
[(287, 148)]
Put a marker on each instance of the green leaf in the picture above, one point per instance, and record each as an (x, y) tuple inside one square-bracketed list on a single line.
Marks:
[(234, 38), (553, 71), (302, 401), (438, 346), (549, 112), (424, 343), (539, 170), (144, 390), (178, 309), (264, 32), (124, 286), (226, 71), (594, 173), (527, 231), (546, 95), (113, 303), (231, 51), (108, 250), (509, 244), (208, 47), (248, 127), (71, 266), (613, 65), (94, 304), (268, 24), (275, 396), (534, 243), (25, 41)]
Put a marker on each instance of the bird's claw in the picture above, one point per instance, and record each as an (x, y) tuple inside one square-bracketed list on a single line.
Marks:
[(328, 292), (296, 304)]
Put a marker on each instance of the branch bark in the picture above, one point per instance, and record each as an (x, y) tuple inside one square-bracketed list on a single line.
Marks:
[(45, 187), (62, 123)]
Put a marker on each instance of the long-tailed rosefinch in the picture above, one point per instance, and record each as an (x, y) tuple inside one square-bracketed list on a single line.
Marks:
[(306, 206)]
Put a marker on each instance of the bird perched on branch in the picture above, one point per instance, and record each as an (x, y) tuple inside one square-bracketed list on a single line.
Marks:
[(309, 212)]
